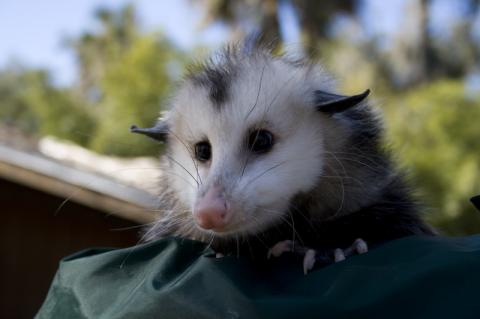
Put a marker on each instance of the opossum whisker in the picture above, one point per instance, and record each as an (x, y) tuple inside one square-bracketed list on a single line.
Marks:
[(380, 170), (133, 227), (195, 163), (189, 151), (293, 225), (183, 167), (75, 192), (244, 167), (279, 91), (341, 182), (258, 94), (359, 162), (238, 246), (248, 114), (259, 239), (286, 220), (188, 230), (277, 94), (212, 237), (264, 172), (256, 223), (300, 213), (247, 240), (132, 249), (346, 181), (179, 176), (179, 220), (168, 222), (359, 154)]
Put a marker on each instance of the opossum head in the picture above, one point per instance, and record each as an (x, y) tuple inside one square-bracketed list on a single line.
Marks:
[(247, 132)]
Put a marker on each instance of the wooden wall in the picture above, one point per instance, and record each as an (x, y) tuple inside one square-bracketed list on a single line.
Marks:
[(33, 240)]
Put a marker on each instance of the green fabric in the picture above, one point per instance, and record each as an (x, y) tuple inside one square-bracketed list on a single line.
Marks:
[(414, 277)]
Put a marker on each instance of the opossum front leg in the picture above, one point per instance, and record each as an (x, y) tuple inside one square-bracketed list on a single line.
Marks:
[(312, 256)]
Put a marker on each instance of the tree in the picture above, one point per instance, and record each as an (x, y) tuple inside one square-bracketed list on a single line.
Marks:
[(314, 16), (441, 146), (95, 51), (58, 112), (15, 110), (124, 78), (135, 88), (34, 105)]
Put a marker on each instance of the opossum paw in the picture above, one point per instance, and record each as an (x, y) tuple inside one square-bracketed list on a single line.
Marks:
[(359, 246), (309, 260), (322, 257), (339, 255), (279, 248), (310, 256)]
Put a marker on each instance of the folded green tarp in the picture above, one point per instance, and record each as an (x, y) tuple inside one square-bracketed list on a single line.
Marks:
[(414, 277)]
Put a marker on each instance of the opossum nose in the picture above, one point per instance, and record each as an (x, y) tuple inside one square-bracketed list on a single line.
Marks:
[(211, 218), (211, 210)]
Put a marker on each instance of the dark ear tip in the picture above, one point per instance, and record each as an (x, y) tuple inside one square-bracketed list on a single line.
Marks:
[(333, 103), (158, 132), (476, 201)]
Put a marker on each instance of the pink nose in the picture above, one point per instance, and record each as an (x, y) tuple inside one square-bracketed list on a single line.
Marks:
[(211, 211)]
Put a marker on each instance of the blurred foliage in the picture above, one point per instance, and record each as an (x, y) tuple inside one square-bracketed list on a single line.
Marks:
[(126, 75), (15, 110), (435, 132), (134, 87), (124, 78), (115, 36), (50, 105), (419, 78), (33, 104), (261, 16)]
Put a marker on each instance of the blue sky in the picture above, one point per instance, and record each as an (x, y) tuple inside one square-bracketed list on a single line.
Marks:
[(31, 32)]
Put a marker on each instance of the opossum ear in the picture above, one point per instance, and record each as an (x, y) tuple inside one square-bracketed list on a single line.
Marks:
[(159, 132), (333, 103)]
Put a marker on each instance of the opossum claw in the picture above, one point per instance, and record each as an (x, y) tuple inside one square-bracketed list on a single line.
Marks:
[(359, 246), (309, 260), (279, 248), (339, 255), (311, 256)]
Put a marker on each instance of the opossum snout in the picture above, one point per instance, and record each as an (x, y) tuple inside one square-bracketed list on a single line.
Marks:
[(211, 210)]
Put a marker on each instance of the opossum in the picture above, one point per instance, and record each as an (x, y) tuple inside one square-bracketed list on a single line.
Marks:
[(262, 154)]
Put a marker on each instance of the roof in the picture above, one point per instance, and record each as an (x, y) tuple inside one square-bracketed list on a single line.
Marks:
[(72, 181)]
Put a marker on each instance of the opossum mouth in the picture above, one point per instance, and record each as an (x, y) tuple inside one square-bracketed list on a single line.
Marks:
[(224, 231), (244, 227)]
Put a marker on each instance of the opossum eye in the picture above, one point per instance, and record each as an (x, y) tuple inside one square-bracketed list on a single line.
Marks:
[(203, 151), (260, 141)]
